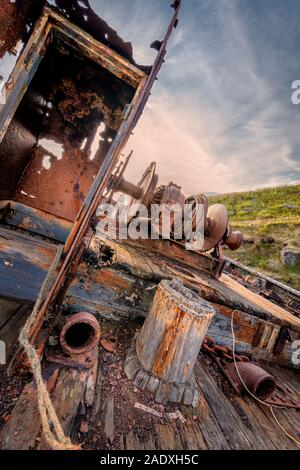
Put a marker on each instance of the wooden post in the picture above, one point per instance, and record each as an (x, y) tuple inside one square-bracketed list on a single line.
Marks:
[(164, 352)]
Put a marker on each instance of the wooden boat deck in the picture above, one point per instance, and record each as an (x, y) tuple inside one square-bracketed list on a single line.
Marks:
[(97, 407), (98, 410)]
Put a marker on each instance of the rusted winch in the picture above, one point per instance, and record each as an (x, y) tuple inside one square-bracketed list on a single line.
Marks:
[(171, 201), (141, 193), (217, 230)]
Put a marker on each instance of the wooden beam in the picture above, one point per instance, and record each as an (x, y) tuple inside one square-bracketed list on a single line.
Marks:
[(98, 52), (252, 298), (277, 286)]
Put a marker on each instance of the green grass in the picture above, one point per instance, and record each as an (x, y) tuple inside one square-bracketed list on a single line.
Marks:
[(271, 212)]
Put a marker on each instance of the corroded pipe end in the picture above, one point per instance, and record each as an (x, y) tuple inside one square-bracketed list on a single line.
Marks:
[(80, 333), (235, 240), (256, 379)]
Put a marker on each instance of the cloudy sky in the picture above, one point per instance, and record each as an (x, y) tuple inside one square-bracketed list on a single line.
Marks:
[(220, 117)]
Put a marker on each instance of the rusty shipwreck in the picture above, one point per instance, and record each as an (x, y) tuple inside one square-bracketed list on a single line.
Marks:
[(114, 379)]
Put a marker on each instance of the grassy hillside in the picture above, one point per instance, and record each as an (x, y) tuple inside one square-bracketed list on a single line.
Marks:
[(262, 215)]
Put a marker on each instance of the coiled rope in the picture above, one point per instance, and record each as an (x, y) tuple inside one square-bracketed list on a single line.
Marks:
[(51, 426)]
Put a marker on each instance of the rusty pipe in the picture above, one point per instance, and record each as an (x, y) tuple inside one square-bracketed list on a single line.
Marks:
[(257, 380), (80, 333), (130, 189)]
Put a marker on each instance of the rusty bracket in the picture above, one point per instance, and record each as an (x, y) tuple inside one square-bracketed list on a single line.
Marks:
[(76, 361)]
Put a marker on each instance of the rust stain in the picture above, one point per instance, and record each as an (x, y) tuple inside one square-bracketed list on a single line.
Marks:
[(244, 330), (165, 353), (110, 279)]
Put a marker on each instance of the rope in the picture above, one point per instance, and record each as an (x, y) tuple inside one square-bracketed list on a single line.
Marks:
[(51, 426), (250, 393)]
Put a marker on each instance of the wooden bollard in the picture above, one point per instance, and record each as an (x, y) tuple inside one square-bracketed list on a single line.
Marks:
[(166, 349)]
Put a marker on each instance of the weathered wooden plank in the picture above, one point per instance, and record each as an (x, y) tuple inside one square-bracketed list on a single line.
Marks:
[(97, 403), (168, 255), (254, 422), (109, 425), (279, 287), (24, 426), (274, 310), (238, 436), (68, 394), (9, 333), (191, 435), (207, 423), (290, 378), (134, 260), (138, 262), (36, 221), (222, 291), (133, 442), (7, 309), (24, 262), (167, 438), (111, 292), (253, 336), (285, 422), (270, 434), (149, 443)]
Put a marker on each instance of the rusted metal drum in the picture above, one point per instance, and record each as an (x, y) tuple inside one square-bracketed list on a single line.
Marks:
[(234, 239), (80, 333)]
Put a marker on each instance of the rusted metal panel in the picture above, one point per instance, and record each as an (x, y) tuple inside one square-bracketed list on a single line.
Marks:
[(83, 97), (32, 55), (97, 51)]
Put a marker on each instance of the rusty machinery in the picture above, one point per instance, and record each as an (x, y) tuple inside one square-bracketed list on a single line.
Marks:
[(257, 380), (217, 230), (141, 193)]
